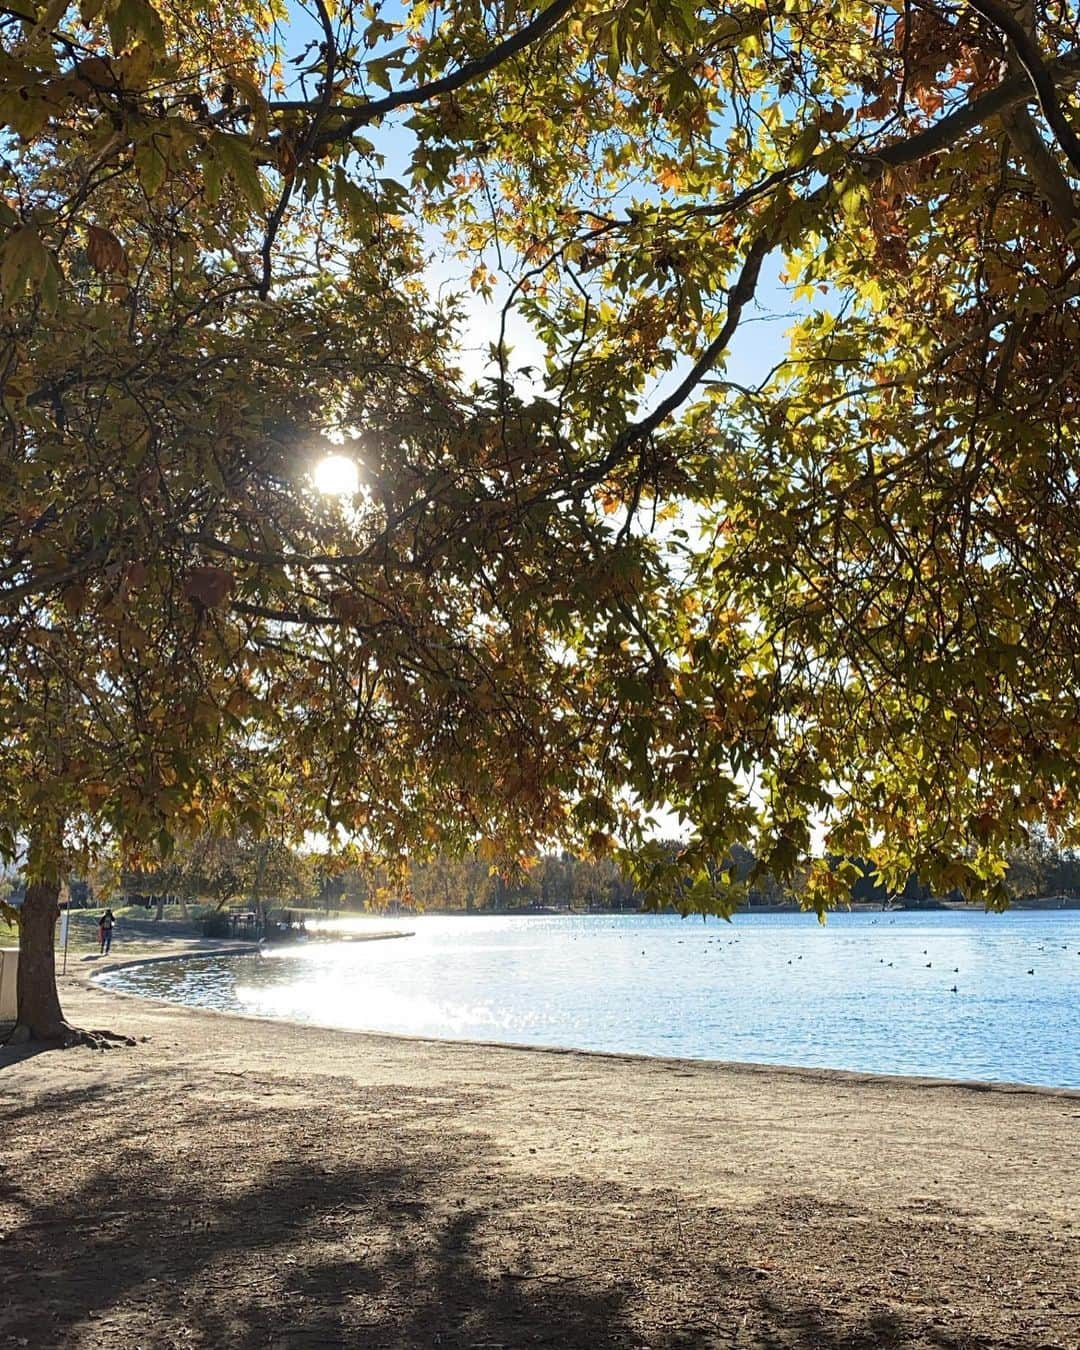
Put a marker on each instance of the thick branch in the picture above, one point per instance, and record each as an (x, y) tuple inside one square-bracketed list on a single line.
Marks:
[(738, 298), (1029, 56), (949, 129), (355, 118), (1046, 172)]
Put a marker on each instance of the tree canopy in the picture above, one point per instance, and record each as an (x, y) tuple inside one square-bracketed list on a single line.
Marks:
[(828, 611)]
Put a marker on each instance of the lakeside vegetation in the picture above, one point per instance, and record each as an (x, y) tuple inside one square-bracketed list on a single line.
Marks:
[(216, 875)]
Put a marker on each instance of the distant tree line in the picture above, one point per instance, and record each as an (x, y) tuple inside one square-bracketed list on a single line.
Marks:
[(224, 872), (550, 881), (252, 871)]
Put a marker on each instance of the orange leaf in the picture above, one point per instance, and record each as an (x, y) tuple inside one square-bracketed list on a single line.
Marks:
[(105, 251), (209, 586)]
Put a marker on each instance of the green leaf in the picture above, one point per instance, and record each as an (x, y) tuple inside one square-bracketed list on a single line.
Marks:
[(135, 19), (213, 172), (378, 74), (238, 161), (150, 167), (853, 194), (24, 112), (25, 259), (50, 285), (804, 146)]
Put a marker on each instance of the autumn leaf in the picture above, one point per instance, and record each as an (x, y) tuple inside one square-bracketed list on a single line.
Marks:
[(74, 597), (96, 793), (135, 574), (105, 251), (347, 606), (209, 586), (600, 843)]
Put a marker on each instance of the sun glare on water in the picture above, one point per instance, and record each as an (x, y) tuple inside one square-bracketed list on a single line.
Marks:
[(337, 476)]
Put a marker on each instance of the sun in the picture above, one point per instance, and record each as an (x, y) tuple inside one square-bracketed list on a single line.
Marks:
[(337, 476)]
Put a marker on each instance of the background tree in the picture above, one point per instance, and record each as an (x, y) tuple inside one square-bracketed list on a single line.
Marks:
[(221, 870)]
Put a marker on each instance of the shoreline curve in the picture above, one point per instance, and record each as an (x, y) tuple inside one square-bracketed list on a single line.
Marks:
[(810, 1073)]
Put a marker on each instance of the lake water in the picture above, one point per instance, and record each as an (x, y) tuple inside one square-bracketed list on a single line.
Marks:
[(870, 992)]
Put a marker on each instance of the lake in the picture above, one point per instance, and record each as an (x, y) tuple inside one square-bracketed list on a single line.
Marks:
[(870, 992)]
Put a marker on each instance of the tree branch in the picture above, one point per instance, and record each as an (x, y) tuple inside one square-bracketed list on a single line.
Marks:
[(1046, 172), (49, 581), (1029, 56), (739, 297), (307, 617), (356, 118), (944, 133)]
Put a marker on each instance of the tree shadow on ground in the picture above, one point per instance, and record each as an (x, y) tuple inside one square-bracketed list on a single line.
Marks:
[(12, 1055), (240, 1271), (325, 1226)]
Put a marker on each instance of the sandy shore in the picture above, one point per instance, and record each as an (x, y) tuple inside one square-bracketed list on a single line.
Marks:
[(231, 1182)]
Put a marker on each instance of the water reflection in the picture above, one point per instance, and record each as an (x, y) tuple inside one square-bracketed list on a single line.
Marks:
[(942, 994)]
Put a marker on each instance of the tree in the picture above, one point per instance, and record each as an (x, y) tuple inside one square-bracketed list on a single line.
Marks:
[(833, 603), (222, 869), (882, 616), (198, 288), (882, 621)]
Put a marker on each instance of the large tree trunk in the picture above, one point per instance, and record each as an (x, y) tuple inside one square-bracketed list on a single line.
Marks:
[(39, 1015), (39, 1002)]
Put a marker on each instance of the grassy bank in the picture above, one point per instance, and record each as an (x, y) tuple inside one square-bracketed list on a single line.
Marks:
[(136, 931)]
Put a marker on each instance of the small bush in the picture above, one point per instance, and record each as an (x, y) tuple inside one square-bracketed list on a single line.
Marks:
[(216, 926)]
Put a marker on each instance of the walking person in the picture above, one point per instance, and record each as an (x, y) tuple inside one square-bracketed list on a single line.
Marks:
[(105, 931)]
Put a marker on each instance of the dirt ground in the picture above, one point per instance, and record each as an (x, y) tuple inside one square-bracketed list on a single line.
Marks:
[(236, 1183)]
